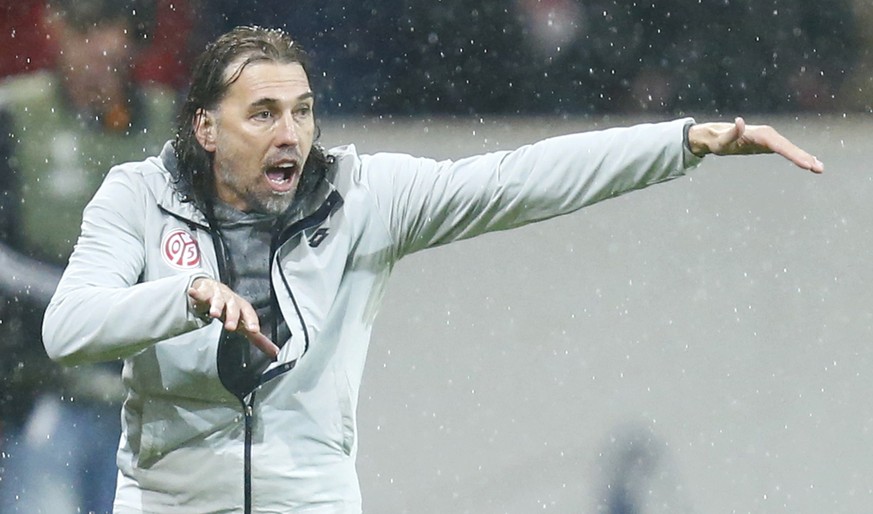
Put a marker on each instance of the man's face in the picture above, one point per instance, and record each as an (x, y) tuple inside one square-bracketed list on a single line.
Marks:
[(260, 134)]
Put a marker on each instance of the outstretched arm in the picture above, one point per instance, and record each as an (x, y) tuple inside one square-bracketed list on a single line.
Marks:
[(737, 138)]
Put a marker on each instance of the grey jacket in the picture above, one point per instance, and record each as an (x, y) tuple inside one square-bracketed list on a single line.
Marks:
[(188, 444)]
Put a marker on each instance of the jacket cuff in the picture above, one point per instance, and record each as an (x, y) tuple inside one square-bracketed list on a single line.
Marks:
[(689, 158)]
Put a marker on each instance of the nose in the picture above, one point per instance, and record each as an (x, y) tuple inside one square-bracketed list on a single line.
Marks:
[(286, 131)]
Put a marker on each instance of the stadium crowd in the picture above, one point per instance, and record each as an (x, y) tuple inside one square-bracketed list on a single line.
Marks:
[(530, 56)]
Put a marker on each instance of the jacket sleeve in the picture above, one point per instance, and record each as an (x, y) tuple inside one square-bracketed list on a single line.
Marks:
[(101, 310), (427, 203)]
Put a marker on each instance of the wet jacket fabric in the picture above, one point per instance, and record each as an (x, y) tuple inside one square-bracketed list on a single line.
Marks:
[(191, 446)]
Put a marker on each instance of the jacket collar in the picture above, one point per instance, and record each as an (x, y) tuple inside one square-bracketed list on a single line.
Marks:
[(171, 199)]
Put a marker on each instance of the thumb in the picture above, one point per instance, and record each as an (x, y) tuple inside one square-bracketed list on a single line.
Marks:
[(739, 127), (728, 140)]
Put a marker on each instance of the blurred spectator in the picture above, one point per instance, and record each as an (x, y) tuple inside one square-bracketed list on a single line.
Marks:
[(62, 129), (164, 57)]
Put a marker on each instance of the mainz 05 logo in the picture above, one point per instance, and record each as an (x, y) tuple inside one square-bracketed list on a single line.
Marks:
[(180, 250)]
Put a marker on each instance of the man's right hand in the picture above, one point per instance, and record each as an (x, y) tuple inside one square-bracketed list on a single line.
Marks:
[(737, 138), (211, 298)]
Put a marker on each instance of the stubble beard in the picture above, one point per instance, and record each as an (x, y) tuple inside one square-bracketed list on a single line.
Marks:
[(275, 204), (265, 201)]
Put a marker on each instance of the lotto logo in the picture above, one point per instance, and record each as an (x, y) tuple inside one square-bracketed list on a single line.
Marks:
[(180, 250)]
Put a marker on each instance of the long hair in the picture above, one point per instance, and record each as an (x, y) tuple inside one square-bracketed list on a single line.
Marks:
[(209, 84)]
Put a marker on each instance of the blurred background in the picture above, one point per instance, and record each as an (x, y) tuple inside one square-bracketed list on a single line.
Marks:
[(527, 56), (702, 346)]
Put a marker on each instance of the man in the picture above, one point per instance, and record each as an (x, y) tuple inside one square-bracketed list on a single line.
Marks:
[(60, 130), (238, 273)]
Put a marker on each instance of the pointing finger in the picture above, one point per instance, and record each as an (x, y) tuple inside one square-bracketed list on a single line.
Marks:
[(263, 343)]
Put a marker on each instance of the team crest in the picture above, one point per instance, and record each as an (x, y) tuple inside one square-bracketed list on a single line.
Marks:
[(180, 250)]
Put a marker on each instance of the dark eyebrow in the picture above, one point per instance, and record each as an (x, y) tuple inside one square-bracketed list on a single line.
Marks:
[(269, 102)]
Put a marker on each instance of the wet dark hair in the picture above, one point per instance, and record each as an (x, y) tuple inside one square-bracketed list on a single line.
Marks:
[(209, 84)]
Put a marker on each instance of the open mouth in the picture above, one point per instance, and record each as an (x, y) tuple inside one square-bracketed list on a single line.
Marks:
[(282, 177)]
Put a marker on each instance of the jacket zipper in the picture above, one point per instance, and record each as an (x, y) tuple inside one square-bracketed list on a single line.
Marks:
[(248, 407), (333, 201), (247, 458)]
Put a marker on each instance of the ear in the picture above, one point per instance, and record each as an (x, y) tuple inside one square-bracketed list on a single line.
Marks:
[(204, 129)]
